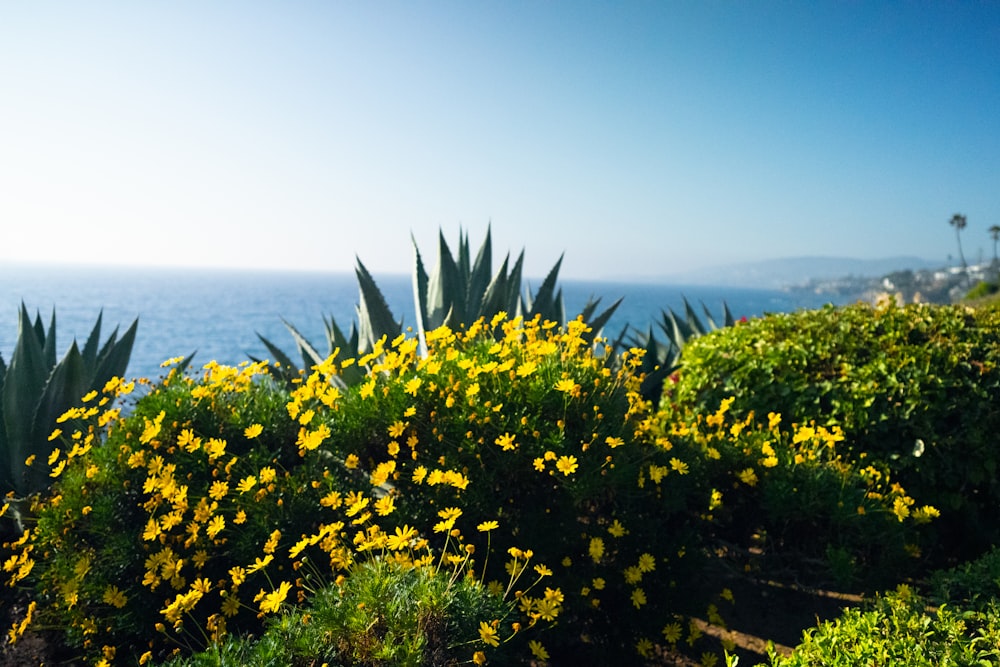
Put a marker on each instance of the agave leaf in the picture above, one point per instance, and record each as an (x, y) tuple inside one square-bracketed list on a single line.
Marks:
[(558, 313), (374, 317), (286, 368), (677, 330), (420, 281), (113, 360), (514, 286), (495, 294), (444, 289), (89, 352), (544, 301), (310, 357), (480, 279), (50, 342), (337, 339), (68, 382), (708, 317), (23, 384), (462, 264), (692, 319), (727, 316), (597, 323)]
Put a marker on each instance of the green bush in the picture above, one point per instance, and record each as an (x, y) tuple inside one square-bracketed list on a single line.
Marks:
[(982, 289), (786, 494), (382, 614), (903, 628), (913, 388), (899, 629)]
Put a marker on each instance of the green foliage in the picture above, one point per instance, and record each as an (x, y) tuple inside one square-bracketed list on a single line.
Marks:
[(913, 389), (35, 390), (382, 614), (785, 498), (982, 289), (956, 623), (971, 585), (899, 629)]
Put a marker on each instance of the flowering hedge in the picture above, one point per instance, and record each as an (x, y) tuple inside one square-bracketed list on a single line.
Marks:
[(513, 454)]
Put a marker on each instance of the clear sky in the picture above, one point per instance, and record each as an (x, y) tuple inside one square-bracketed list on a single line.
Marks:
[(640, 138)]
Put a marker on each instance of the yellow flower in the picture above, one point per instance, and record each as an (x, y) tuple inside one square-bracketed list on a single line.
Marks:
[(246, 484), (567, 386), (616, 528), (271, 602), (567, 465), (488, 634), (238, 575), (596, 549), (487, 526), (479, 658), (218, 490), (538, 650), (679, 465), (672, 632), (412, 386), (351, 462), (638, 598), (396, 429), (253, 431), (260, 564), (748, 477), (114, 597), (216, 525), (613, 442), (385, 506), (647, 563), (402, 538), (506, 442), (526, 369)]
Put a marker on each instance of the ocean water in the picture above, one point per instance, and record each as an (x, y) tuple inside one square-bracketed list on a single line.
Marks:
[(217, 314)]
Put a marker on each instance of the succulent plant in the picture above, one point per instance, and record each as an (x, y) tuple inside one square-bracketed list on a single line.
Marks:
[(458, 291), (662, 358), (35, 390)]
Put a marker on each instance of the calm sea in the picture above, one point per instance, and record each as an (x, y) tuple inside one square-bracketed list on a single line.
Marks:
[(218, 314)]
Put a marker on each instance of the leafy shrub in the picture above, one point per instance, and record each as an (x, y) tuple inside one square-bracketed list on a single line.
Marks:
[(381, 614), (788, 494), (982, 289), (912, 388), (970, 585), (899, 629)]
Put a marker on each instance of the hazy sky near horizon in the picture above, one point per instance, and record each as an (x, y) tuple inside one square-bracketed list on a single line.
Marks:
[(640, 138)]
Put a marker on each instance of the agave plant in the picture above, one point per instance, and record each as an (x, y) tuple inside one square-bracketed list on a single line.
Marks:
[(458, 291), (35, 390), (662, 358)]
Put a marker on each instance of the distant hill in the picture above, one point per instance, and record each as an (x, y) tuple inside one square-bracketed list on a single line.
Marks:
[(793, 271)]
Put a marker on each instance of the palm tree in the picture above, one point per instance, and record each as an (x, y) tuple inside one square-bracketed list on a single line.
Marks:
[(959, 222), (995, 235)]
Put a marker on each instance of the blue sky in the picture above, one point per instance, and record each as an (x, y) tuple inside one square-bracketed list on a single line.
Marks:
[(640, 138)]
